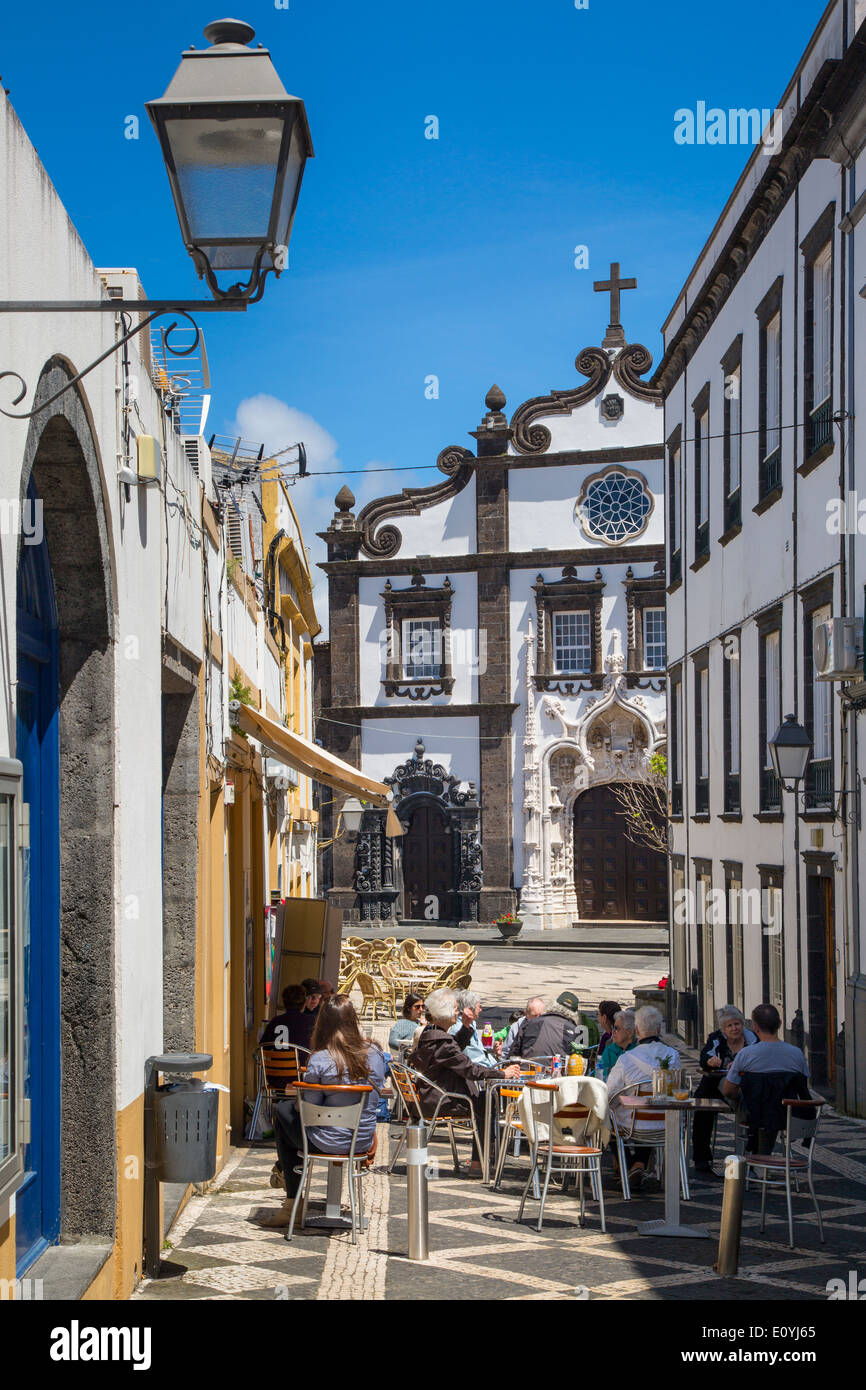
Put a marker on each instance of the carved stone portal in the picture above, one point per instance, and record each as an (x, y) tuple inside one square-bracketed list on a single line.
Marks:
[(378, 869)]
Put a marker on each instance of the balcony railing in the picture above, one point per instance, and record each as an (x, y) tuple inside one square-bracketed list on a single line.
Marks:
[(733, 513), (732, 792), (771, 792), (702, 796), (771, 472), (819, 784), (819, 429)]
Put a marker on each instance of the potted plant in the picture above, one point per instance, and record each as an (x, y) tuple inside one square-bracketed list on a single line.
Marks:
[(509, 924)]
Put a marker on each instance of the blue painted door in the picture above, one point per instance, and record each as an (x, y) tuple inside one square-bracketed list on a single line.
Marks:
[(37, 1203)]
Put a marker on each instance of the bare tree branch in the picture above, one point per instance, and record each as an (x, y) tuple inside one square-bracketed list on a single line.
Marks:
[(645, 807)]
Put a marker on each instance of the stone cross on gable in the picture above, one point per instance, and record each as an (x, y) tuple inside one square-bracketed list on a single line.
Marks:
[(615, 336)]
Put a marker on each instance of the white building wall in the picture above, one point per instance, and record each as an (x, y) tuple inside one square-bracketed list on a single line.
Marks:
[(465, 649), (451, 742)]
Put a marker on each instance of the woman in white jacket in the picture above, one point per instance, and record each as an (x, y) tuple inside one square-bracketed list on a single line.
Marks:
[(638, 1065)]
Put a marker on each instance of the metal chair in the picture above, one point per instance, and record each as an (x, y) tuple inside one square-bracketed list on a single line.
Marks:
[(645, 1139), (404, 1079), (801, 1124), (278, 1067), (336, 1117), (576, 1159)]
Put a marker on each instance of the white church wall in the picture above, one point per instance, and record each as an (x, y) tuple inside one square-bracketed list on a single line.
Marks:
[(451, 742), (446, 529), (547, 512), (586, 428)]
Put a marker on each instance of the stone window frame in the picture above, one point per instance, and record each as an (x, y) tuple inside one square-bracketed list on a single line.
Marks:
[(821, 235), (701, 445), (417, 602), (818, 594), (645, 592), (731, 362), (567, 595), (769, 306), (673, 446)]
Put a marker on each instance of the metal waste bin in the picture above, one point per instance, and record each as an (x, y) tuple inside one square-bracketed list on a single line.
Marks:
[(186, 1131)]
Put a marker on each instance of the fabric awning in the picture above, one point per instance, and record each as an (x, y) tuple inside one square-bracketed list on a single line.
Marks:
[(309, 758)]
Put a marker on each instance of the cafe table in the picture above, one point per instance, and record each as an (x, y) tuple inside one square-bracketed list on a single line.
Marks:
[(670, 1224)]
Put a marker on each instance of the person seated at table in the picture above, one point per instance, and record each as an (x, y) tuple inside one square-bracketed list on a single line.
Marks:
[(439, 1059), (551, 1031), (293, 1025), (326, 990), (607, 1012), (314, 995), (623, 1040), (341, 1056), (634, 1066), (769, 1055), (466, 1031), (404, 1029), (533, 1008), (717, 1053)]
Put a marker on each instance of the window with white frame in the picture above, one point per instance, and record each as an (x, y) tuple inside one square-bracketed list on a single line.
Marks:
[(676, 473), (572, 642), (654, 644), (773, 409), (422, 648), (702, 465), (822, 704), (677, 744), (774, 958), (822, 287), (733, 668), (703, 749), (773, 690)]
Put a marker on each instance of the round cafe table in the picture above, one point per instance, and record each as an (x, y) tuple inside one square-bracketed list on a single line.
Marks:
[(670, 1224)]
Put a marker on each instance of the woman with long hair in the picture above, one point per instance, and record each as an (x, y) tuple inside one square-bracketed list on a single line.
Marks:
[(341, 1056)]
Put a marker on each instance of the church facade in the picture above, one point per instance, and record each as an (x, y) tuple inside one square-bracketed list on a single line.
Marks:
[(497, 654)]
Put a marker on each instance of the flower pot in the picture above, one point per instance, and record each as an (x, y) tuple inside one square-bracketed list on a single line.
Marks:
[(509, 929)]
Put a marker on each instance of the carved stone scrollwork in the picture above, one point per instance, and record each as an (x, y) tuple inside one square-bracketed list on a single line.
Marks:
[(629, 366), (378, 540), (530, 438)]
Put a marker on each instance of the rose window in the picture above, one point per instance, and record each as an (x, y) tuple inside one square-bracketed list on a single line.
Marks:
[(613, 506)]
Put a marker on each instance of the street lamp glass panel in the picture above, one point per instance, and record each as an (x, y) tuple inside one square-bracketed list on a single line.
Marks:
[(226, 170), (790, 748), (352, 812)]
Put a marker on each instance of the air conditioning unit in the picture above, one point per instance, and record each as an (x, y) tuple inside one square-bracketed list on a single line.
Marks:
[(198, 457), (838, 649)]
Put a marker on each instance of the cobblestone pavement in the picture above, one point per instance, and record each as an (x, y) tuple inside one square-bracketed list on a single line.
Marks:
[(478, 1251), (477, 1248)]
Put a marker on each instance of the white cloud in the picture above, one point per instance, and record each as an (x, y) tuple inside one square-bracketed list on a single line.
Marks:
[(266, 420)]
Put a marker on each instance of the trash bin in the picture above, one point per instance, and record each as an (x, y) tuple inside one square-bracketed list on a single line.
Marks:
[(186, 1131)]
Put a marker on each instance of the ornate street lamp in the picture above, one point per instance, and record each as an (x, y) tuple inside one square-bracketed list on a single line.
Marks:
[(235, 144), (790, 748), (352, 811)]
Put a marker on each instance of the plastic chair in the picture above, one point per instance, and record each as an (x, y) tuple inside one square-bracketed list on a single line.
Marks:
[(575, 1158), (404, 1079), (337, 1117), (278, 1067), (802, 1118)]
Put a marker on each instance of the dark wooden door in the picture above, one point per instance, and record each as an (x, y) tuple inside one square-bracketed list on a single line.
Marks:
[(613, 878), (821, 955), (427, 867)]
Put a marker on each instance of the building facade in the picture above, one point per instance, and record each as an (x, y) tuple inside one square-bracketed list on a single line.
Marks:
[(761, 388), (496, 654), (141, 836)]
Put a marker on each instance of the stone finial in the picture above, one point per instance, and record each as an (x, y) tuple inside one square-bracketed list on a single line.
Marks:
[(495, 398), (419, 750), (345, 499)]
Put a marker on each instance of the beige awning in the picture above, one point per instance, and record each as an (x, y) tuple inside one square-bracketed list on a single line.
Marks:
[(310, 759)]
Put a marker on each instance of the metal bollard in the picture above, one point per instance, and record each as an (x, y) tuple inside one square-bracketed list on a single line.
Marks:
[(416, 1180), (728, 1257)]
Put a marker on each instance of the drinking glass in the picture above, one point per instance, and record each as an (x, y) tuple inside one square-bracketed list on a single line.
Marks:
[(682, 1086)]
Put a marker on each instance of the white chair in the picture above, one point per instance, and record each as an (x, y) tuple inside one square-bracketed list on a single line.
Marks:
[(336, 1117)]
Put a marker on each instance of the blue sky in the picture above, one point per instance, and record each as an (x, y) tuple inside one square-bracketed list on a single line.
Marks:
[(414, 257)]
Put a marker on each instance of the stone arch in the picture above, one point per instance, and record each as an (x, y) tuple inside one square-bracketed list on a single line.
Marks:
[(62, 457)]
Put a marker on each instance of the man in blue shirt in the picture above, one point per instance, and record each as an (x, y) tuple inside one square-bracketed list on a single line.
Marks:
[(768, 1054), (466, 1032)]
